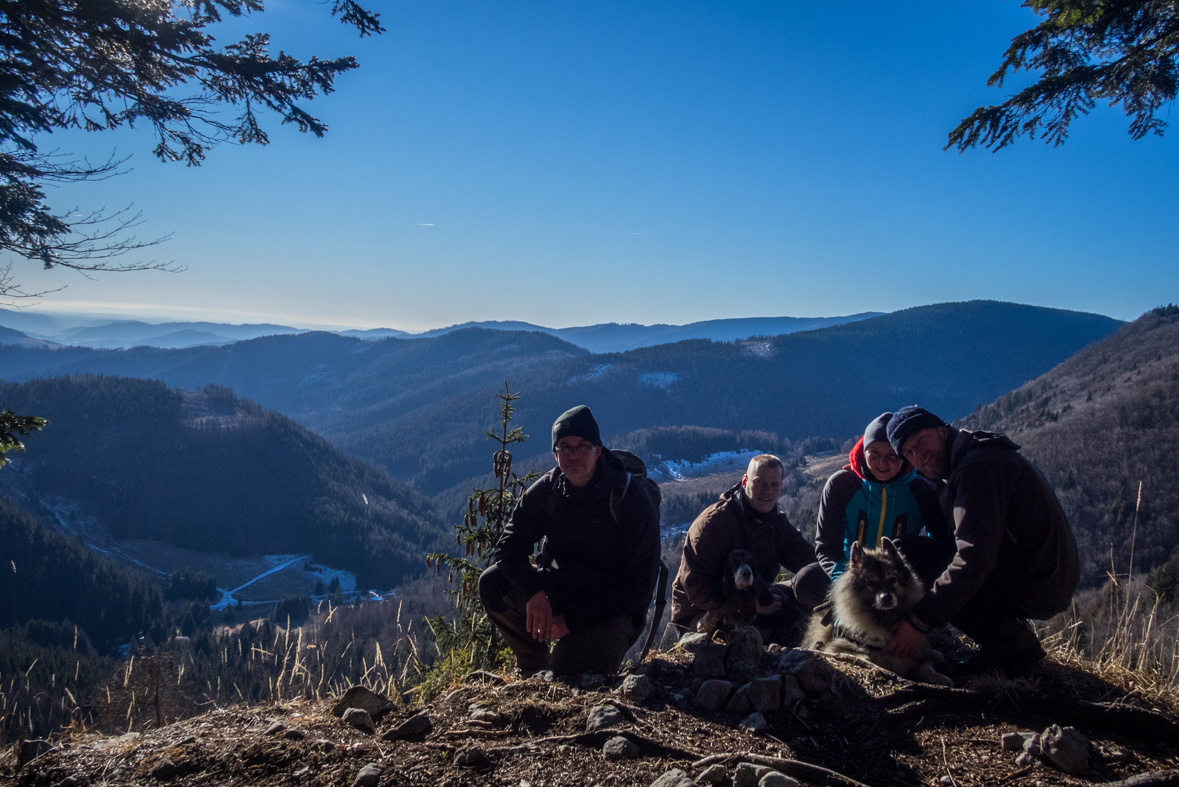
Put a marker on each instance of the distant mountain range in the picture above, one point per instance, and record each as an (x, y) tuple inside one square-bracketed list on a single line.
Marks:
[(1099, 424), (610, 337), (419, 407)]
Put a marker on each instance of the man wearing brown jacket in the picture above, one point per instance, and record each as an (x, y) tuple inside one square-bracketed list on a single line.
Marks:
[(747, 518), (1015, 556)]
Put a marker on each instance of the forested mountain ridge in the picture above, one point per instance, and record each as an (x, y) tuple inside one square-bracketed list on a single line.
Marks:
[(825, 383), (317, 378), (209, 471), (52, 577), (1097, 425)]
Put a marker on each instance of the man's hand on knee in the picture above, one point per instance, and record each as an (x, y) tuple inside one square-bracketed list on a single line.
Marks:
[(539, 618)]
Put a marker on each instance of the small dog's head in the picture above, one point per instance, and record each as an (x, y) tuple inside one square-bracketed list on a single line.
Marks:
[(739, 569), (884, 576)]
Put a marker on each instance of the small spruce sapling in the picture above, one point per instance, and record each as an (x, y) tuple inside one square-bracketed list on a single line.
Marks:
[(471, 638)]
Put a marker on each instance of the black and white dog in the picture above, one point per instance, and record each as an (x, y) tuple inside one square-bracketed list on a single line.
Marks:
[(739, 577)]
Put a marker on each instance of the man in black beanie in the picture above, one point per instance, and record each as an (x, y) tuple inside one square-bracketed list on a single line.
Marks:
[(1015, 555), (591, 586)]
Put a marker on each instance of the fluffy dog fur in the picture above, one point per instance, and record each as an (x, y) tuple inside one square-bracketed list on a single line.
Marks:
[(739, 576), (875, 592)]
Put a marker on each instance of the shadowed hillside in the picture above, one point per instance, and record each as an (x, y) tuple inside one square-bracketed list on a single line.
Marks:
[(1097, 425), (212, 472)]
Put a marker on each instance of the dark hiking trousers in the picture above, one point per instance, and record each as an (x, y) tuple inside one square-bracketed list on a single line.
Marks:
[(990, 618), (597, 650)]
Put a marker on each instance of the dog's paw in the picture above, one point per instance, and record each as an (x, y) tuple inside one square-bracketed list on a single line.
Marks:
[(708, 623)]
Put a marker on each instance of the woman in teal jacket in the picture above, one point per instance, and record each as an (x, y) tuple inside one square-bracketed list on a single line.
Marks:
[(877, 495)]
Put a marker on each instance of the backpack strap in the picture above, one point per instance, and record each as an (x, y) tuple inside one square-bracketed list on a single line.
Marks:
[(621, 497), (660, 603)]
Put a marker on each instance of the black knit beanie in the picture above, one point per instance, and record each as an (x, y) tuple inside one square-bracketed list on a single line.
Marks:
[(907, 421), (577, 422), (877, 431)]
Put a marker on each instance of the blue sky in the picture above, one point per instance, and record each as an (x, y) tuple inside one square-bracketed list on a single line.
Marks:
[(574, 163)]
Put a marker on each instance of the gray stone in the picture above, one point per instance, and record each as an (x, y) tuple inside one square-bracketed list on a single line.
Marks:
[(674, 778), (694, 642), (739, 704), (744, 650), (1027, 758), (1031, 745), (813, 676), (590, 682), (165, 770), (746, 775), (776, 779), (709, 661), (1014, 741), (69, 781), (765, 694), (369, 775), (637, 688), (544, 676), (359, 718), (620, 748), (365, 699), (1066, 748), (791, 692), (602, 717), (275, 729), (487, 716), (754, 723), (418, 724), (713, 693), (472, 757), (32, 749), (294, 735), (715, 774), (323, 745)]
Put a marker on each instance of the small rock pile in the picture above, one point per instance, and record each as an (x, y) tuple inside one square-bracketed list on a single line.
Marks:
[(1064, 748), (730, 677)]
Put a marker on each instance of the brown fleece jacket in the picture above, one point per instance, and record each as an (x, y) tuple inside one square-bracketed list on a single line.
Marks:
[(726, 525)]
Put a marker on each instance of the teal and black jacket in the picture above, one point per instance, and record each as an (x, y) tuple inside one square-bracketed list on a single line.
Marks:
[(857, 507)]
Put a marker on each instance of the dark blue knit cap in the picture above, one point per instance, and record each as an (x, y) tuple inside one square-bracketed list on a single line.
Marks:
[(907, 421), (877, 430), (576, 422)]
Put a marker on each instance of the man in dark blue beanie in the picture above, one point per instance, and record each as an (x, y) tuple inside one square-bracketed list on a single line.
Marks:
[(589, 590), (1014, 555)]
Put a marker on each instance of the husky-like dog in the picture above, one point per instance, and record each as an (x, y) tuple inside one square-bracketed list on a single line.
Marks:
[(739, 576), (875, 592)]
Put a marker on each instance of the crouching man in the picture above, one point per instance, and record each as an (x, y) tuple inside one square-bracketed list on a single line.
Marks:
[(747, 518), (1014, 557), (589, 590)]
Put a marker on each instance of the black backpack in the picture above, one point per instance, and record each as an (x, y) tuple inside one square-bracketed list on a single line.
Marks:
[(636, 473)]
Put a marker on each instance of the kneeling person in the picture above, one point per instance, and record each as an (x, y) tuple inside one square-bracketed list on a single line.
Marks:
[(594, 580), (746, 518)]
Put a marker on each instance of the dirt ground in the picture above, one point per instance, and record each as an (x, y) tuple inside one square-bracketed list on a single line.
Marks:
[(860, 723)]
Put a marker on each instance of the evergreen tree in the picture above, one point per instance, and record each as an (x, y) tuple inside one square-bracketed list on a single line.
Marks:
[(12, 426), (1125, 52), (68, 64), (470, 641)]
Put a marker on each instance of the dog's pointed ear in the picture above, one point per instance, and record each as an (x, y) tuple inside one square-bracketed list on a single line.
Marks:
[(890, 548), (857, 553)]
